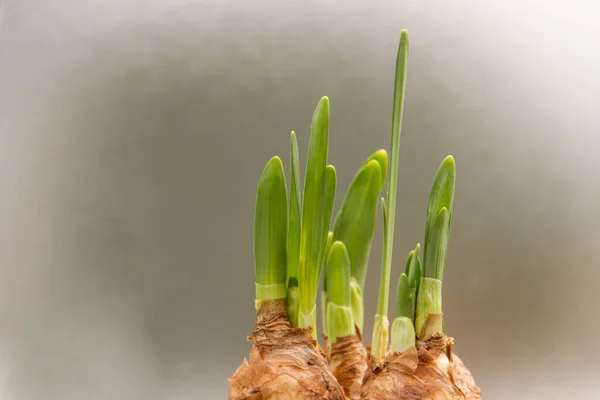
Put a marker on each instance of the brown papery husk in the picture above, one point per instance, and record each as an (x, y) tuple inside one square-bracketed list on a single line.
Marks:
[(348, 362), (285, 363), (431, 371)]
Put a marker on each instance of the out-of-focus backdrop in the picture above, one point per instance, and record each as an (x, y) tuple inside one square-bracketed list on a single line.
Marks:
[(133, 134)]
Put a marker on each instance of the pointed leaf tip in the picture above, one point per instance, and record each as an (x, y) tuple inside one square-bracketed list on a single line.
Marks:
[(295, 214), (382, 158), (274, 162), (270, 225), (449, 160), (404, 306), (355, 223), (323, 105), (409, 262), (337, 270)]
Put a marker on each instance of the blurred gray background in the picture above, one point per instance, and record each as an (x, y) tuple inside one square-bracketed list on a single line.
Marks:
[(134, 133)]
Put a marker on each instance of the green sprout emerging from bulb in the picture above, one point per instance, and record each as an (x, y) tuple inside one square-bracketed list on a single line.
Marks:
[(293, 244)]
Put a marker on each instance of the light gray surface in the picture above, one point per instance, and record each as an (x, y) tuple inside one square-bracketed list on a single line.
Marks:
[(134, 133)]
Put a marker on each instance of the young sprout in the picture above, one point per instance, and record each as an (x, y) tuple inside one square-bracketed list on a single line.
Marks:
[(294, 228), (413, 273), (404, 305), (380, 330), (270, 234), (328, 245), (314, 214), (403, 330), (355, 224), (294, 245), (340, 322), (330, 185), (437, 232)]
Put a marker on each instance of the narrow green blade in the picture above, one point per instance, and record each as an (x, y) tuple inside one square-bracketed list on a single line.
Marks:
[(404, 305), (382, 158), (327, 250), (313, 213), (337, 270), (441, 196), (294, 225), (330, 185), (270, 227), (384, 216), (410, 263), (398, 108), (435, 248), (324, 313), (413, 271), (355, 223), (328, 245), (339, 319)]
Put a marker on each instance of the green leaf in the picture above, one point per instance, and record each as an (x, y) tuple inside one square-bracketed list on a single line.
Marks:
[(382, 158), (313, 214), (441, 196), (330, 184), (380, 329), (270, 225), (397, 111), (410, 262), (337, 270), (413, 271), (355, 223), (384, 214), (358, 307), (338, 308), (294, 226), (404, 304), (328, 245), (435, 248)]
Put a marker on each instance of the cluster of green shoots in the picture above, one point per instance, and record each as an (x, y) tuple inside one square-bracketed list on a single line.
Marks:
[(294, 240)]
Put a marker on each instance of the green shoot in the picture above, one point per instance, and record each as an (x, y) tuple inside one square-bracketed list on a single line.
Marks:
[(413, 273), (436, 245), (384, 214), (294, 226), (270, 234), (381, 157), (380, 331), (292, 305), (324, 291), (312, 237), (429, 308), (403, 331), (293, 238), (437, 232), (404, 306), (358, 307), (340, 321), (355, 223), (403, 335), (330, 184), (441, 195)]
